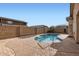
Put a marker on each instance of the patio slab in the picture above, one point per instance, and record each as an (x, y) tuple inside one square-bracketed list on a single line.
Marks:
[(29, 47)]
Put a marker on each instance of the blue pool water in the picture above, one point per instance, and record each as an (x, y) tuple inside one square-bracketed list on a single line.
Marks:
[(47, 37)]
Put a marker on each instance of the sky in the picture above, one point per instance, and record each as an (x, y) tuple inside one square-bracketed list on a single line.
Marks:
[(49, 14)]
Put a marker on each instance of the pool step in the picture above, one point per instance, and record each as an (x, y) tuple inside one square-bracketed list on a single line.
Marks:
[(59, 39)]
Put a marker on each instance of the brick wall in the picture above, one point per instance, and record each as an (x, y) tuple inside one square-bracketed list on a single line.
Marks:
[(59, 30), (39, 30), (26, 30), (8, 31), (14, 31)]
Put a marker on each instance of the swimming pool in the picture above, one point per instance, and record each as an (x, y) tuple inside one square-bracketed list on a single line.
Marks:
[(47, 38)]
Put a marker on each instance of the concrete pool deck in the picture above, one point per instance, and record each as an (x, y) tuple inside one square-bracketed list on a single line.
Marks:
[(29, 47)]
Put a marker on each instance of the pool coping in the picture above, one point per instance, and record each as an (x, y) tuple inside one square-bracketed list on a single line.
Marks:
[(44, 45)]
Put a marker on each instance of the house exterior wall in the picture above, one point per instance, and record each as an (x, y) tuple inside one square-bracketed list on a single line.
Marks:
[(73, 14), (75, 22), (70, 27), (7, 21)]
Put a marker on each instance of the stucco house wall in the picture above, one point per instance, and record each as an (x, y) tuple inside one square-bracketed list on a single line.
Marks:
[(75, 28)]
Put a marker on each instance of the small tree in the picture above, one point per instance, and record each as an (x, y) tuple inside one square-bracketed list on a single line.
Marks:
[(51, 29)]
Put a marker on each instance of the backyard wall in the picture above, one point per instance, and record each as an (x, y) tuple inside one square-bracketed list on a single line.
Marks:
[(17, 31), (26, 31), (60, 30), (14, 31), (8, 31), (42, 30)]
